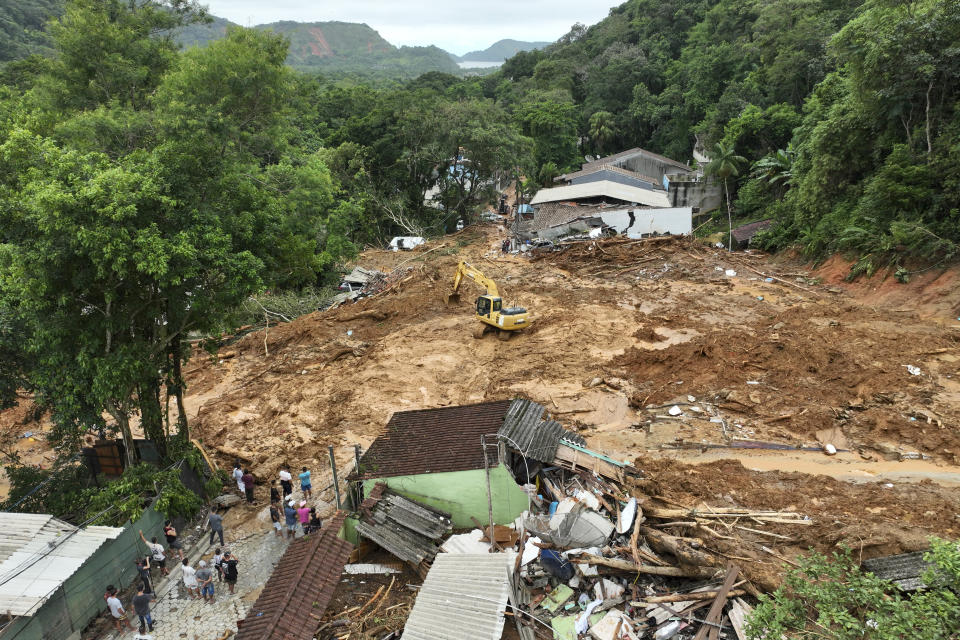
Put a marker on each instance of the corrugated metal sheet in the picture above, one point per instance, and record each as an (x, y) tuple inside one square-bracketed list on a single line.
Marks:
[(432, 441), (463, 598), (903, 569), (405, 528), (36, 566), (603, 189), (524, 428), (590, 174), (297, 593)]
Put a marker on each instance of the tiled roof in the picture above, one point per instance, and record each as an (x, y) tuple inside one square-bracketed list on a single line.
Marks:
[(594, 168), (636, 151), (525, 429), (747, 231), (464, 597), (301, 586), (433, 440), (605, 189), (551, 214), (409, 530)]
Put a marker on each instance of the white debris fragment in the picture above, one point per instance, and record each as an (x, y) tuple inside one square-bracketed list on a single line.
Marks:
[(730, 272), (675, 410), (912, 370)]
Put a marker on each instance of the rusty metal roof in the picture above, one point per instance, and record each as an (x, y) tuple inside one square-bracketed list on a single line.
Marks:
[(301, 586), (526, 430), (409, 530), (433, 440)]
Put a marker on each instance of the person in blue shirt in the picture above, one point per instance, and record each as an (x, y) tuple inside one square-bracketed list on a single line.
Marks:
[(290, 518), (305, 485)]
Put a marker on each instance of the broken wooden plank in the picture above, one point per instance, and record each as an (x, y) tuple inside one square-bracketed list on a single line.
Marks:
[(712, 621)]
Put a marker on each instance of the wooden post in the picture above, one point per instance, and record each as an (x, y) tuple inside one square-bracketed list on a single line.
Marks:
[(486, 468), (336, 483)]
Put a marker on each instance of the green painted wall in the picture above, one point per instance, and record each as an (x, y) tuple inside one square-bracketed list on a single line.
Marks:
[(462, 494), (349, 530)]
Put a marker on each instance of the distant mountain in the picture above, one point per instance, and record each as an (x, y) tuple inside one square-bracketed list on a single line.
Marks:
[(337, 47), (21, 27), (500, 51)]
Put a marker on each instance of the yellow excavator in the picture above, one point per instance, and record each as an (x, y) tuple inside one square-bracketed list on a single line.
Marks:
[(490, 309)]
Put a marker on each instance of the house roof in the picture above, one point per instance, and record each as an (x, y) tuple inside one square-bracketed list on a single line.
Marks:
[(636, 151), (603, 189), (39, 553), (433, 440), (525, 429), (747, 231), (297, 593), (551, 214), (592, 168), (463, 597), (409, 530)]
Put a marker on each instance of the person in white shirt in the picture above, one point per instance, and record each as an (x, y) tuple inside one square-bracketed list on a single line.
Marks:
[(238, 477), (156, 552), (190, 580), (286, 481), (117, 611)]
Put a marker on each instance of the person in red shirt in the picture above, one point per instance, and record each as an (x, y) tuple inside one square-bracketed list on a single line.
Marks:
[(248, 483)]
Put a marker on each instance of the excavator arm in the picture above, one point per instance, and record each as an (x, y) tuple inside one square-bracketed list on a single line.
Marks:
[(465, 269)]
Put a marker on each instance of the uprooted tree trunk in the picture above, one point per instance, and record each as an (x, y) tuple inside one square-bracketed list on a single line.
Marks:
[(632, 567), (683, 549)]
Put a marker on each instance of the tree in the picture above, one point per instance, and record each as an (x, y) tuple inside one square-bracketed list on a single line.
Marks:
[(602, 130), (776, 169), (724, 165)]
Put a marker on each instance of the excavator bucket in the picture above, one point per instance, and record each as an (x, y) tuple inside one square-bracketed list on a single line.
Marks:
[(452, 298)]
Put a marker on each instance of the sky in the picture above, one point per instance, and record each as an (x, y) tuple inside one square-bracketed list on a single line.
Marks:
[(454, 25)]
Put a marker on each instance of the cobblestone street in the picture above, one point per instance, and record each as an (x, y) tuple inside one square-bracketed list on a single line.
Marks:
[(178, 616)]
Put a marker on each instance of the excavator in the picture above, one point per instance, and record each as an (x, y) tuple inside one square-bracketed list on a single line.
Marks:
[(490, 309)]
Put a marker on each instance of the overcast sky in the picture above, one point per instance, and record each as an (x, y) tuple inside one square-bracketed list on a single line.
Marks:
[(455, 25)]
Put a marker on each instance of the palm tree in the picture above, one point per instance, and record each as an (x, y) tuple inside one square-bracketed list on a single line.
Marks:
[(725, 164), (602, 129), (776, 169)]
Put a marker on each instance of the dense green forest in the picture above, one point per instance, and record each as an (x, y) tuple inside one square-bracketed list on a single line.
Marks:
[(146, 192)]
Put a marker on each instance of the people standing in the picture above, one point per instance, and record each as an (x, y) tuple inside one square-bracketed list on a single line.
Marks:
[(215, 521), (315, 522), (238, 476), (141, 607), (205, 579), (305, 484), (274, 492), (303, 514), (156, 552), (190, 579), (218, 563), (116, 610), (286, 481), (275, 519), (171, 534), (230, 570), (248, 483), (143, 570), (290, 517)]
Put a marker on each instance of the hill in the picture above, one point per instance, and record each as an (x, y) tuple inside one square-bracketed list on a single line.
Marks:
[(21, 26), (500, 51)]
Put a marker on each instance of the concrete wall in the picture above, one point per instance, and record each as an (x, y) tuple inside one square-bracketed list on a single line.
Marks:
[(637, 223), (462, 494), (80, 599), (706, 196), (648, 166)]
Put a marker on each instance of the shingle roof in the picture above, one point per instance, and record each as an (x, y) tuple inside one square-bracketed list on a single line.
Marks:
[(594, 168), (603, 189), (39, 553), (301, 586), (525, 429), (462, 598), (409, 530), (433, 440), (904, 570)]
